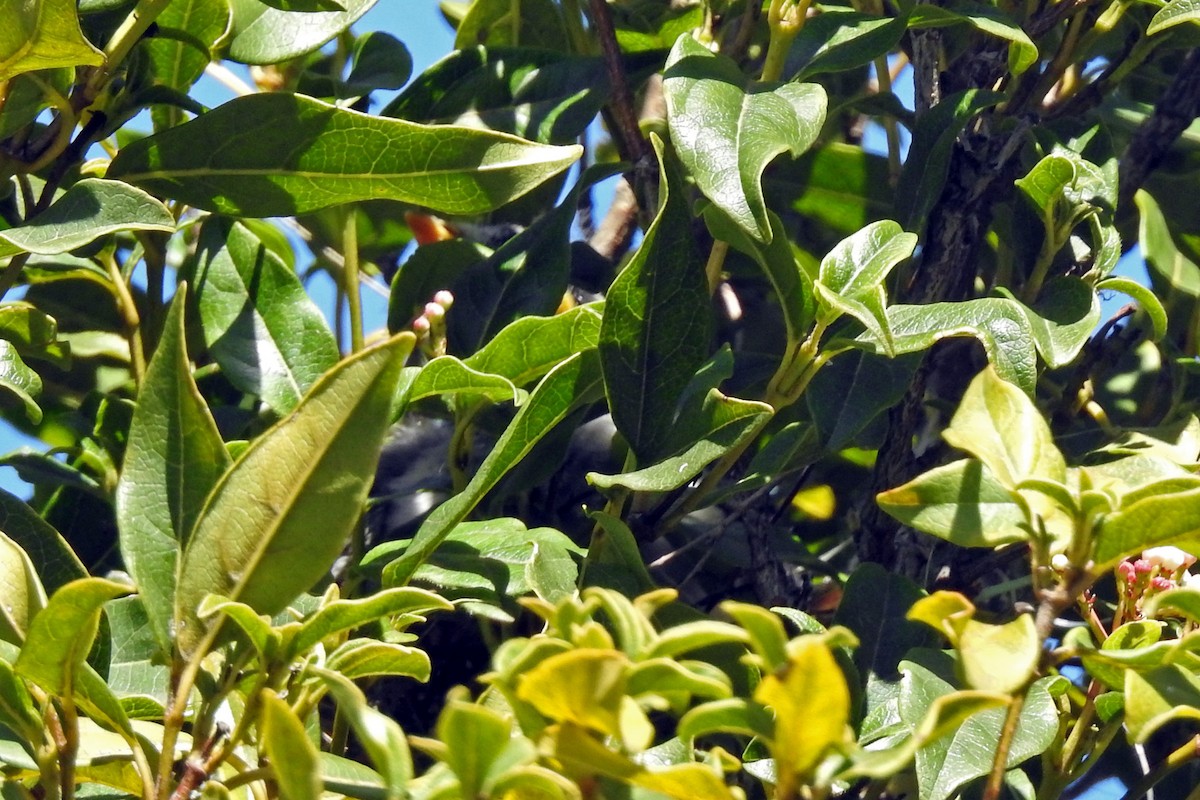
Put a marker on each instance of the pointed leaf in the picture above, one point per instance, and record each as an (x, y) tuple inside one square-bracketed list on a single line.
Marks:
[(1146, 299), (287, 154), (840, 39), (723, 424), (999, 658), (961, 502), (852, 390), (1161, 695), (998, 424), (370, 658), (378, 734), (475, 737), (188, 31), (293, 757), (259, 323), (574, 382), (19, 380), (726, 135), (862, 261), (53, 559), (1158, 516), (278, 518), (1023, 53), (340, 616), (173, 459), (266, 35), (1174, 13), (62, 633), (1062, 320), (43, 34), (657, 318), (88, 210), (530, 347), (874, 606), (21, 589), (446, 375)]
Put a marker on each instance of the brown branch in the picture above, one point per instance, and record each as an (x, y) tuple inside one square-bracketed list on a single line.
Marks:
[(1174, 112), (628, 134)]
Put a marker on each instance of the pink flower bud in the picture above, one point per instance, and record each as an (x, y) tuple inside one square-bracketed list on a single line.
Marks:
[(434, 311), (420, 326), (444, 299)]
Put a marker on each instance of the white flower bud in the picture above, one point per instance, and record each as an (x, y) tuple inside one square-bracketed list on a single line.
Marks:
[(1168, 559)]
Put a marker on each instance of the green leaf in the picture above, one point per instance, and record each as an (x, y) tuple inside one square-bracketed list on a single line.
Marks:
[(1045, 183), (657, 319), (852, 390), (1172, 272), (1175, 12), (91, 208), (715, 123), (874, 606), (61, 634), (862, 261), (259, 323), (265, 35), (307, 5), (42, 34), (434, 266), (690, 636), (280, 515), (527, 275), (999, 658), (20, 381), (836, 188), (767, 636), (287, 154), (840, 39), (961, 502), (735, 715), (1155, 518), (722, 424), (531, 346), (1062, 320), (371, 658), (1023, 53), (791, 282), (475, 738), (997, 323), (928, 163), (340, 616), (187, 32), (527, 23), (136, 669), (1152, 700), (378, 734), (21, 589), (16, 707), (945, 765), (572, 383), (54, 560), (173, 458), (293, 757), (538, 94), (1146, 299), (997, 423)]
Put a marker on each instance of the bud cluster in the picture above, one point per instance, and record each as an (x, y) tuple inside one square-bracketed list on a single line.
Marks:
[(430, 327)]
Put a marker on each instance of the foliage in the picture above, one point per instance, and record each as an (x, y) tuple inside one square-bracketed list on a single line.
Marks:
[(837, 483)]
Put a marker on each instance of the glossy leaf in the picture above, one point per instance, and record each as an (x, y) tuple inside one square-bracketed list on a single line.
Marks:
[(340, 616), (1173, 13), (476, 737), (961, 502), (61, 634), (852, 390), (735, 715), (722, 424), (381, 61), (43, 34), (293, 757), (258, 321), (573, 382), (998, 424), (998, 325), (20, 381), (1045, 183), (91, 208), (370, 658), (717, 123), (583, 686), (21, 589), (1000, 658), (656, 325), (281, 514), (173, 459), (266, 35), (529, 23), (531, 346), (288, 154), (1062, 320), (188, 31), (840, 39), (1146, 299)]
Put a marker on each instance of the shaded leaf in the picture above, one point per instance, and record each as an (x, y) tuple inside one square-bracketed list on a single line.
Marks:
[(379, 735), (655, 331), (293, 757), (259, 323), (874, 606), (43, 34), (1174, 13), (21, 589), (840, 39), (529, 347), (266, 35)]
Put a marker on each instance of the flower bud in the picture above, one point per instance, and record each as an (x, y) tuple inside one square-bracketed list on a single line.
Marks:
[(1168, 559)]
